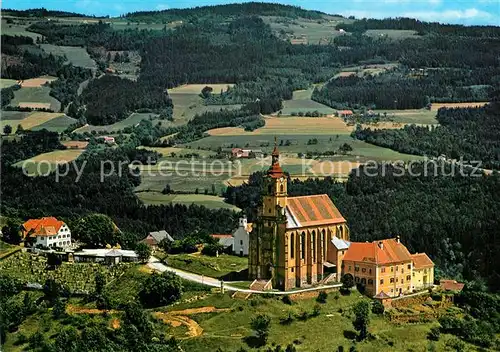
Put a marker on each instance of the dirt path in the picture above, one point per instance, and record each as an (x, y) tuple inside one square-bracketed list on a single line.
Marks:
[(179, 317), (71, 309)]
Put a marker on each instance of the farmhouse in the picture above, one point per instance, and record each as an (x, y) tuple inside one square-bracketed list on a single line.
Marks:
[(154, 238), (246, 153), (106, 139), (225, 240), (301, 241), (105, 256), (47, 232), (344, 113)]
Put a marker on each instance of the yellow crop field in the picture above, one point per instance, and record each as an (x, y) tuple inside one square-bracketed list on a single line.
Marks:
[(474, 104), (58, 156), (37, 82), (196, 88), (291, 126)]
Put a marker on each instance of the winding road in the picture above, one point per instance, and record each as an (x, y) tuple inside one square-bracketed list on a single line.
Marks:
[(155, 264)]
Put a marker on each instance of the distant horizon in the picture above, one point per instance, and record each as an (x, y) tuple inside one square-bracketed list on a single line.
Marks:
[(480, 12)]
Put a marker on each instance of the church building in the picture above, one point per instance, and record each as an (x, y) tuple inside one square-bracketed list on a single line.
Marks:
[(302, 241), (289, 241)]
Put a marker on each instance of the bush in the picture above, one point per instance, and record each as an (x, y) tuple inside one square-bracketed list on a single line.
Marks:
[(287, 319), (434, 333), (378, 307), (160, 290), (286, 299), (322, 296), (212, 249), (261, 324), (316, 310)]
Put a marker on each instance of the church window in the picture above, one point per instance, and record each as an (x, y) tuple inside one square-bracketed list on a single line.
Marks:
[(363, 281), (270, 189), (382, 270), (292, 270), (349, 268), (370, 271), (408, 277), (269, 210), (324, 243), (281, 188), (392, 280), (381, 281), (292, 246), (363, 270), (392, 269), (356, 268), (314, 245), (341, 232), (303, 245), (409, 266), (370, 281), (356, 279)]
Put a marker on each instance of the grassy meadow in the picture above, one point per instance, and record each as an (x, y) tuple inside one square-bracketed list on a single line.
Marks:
[(31, 120), (302, 102), (6, 83), (78, 56), (209, 201), (45, 163), (208, 266), (36, 97)]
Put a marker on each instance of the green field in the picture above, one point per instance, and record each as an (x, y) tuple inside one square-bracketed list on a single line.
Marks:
[(59, 124), (315, 32), (209, 201), (396, 34), (35, 95), (420, 116), (44, 164), (5, 83), (302, 102), (14, 115), (180, 152), (206, 265), (17, 28), (130, 121), (76, 55)]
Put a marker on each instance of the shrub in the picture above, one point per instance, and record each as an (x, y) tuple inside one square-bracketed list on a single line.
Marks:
[(160, 290), (287, 319), (286, 299), (322, 296), (378, 308), (261, 324), (303, 315), (316, 310), (434, 333)]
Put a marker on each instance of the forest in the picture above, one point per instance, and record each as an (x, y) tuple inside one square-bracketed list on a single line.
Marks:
[(229, 10), (472, 134), (110, 99), (452, 218), (409, 89)]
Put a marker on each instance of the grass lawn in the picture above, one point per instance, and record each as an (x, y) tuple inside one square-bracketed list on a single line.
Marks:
[(301, 102), (179, 152), (76, 55), (209, 201), (14, 29), (35, 96), (5, 83), (206, 265)]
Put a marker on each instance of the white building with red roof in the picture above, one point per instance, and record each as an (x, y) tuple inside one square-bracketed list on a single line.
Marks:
[(47, 232)]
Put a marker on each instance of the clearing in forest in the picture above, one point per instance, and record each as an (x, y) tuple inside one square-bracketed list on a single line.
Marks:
[(37, 82), (32, 120), (474, 104)]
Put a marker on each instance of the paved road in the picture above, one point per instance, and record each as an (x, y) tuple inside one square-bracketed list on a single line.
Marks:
[(155, 264)]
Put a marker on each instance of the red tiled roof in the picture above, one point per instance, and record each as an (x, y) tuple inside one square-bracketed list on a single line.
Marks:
[(275, 171), (451, 285), (392, 251), (345, 112), (313, 210), (48, 226), (216, 235), (421, 261)]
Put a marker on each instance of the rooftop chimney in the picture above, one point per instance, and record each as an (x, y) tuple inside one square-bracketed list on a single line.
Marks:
[(381, 245), (398, 239)]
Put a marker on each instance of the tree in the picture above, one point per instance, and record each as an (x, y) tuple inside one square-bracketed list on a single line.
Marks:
[(378, 307), (100, 282), (7, 129), (96, 230), (161, 290), (322, 296), (143, 251), (52, 290), (59, 309), (347, 281), (261, 324), (11, 232), (137, 323), (362, 318)]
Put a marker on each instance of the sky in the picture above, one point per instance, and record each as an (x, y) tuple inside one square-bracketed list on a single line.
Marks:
[(469, 12)]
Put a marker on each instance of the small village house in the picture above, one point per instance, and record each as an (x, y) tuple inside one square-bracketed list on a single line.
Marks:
[(345, 113), (225, 240), (241, 237), (154, 238), (47, 232)]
